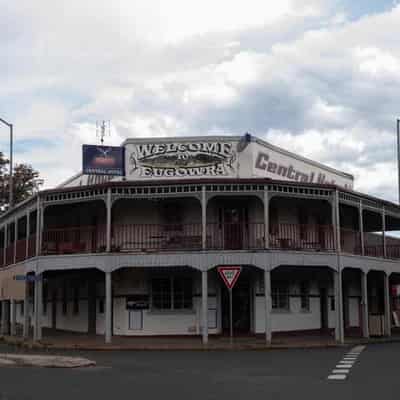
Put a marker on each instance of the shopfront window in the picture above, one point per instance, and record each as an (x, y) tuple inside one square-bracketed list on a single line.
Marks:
[(280, 296), (172, 293), (305, 296)]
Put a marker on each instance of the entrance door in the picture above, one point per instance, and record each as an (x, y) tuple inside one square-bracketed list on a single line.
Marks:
[(241, 297), (53, 310), (92, 307), (324, 308), (234, 220)]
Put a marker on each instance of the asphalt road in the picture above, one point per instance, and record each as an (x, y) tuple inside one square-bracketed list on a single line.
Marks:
[(276, 374)]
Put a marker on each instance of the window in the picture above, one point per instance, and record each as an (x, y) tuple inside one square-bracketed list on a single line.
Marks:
[(273, 220), (161, 293), (332, 303), (101, 306), (182, 293), (305, 296), (280, 296), (45, 297), (22, 309), (76, 300), (172, 293), (303, 220), (172, 215), (64, 299)]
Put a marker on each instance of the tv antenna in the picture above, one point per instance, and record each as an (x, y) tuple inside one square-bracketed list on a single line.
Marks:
[(103, 129)]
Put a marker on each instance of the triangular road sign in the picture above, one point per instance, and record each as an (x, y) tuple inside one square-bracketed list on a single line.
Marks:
[(229, 275)]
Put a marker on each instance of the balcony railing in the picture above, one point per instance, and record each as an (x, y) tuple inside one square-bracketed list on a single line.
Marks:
[(86, 239), (165, 237), (189, 237)]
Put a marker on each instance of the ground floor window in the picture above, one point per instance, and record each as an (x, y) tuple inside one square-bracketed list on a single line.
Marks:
[(101, 306), (76, 300), (280, 296), (305, 296), (172, 293)]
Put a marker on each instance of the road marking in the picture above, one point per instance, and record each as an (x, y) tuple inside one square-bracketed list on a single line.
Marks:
[(342, 368), (337, 377)]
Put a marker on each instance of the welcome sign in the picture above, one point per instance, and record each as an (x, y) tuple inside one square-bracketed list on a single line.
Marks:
[(182, 159)]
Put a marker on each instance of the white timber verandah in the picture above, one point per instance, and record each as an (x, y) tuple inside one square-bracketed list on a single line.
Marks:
[(351, 234)]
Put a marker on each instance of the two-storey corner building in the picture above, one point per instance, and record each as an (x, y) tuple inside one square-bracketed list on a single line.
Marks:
[(138, 255)]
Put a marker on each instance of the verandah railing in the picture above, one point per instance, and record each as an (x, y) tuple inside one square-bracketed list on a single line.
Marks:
[(176, 237), (159, 237)]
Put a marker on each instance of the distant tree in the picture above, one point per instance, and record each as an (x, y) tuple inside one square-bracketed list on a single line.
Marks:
[(25, 182)]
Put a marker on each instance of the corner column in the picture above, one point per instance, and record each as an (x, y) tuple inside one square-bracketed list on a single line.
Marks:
[(388, 319), (26, 311), (266, 217), (38, 228), (108, 316), (384, 232), (108, 233), (28, 229), (361, 225), (5, 317), (339, 331), (13, 310), (15, 239), (364, 304), (38, 307), (268, 306), (203, 218), (5, 244), (204, 306)]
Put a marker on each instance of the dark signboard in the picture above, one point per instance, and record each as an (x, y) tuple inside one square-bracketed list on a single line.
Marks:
[(103, 160), (137, 302)]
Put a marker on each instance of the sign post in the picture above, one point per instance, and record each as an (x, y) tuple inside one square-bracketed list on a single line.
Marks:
[(230, 276)]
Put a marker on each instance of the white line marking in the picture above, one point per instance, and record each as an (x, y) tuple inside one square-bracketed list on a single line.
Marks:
[(342, 369), (337, 377)]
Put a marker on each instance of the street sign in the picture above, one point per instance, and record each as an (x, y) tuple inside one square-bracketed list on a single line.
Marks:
[(28, 278), (229, 275)]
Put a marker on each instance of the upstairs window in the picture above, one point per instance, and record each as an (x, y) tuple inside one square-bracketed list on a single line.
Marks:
[(172, 217)]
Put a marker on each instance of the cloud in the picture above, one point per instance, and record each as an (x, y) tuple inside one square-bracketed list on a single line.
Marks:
[(302, 74)]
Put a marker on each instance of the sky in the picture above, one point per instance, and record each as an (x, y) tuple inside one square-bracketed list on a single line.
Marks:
[(317, 77)]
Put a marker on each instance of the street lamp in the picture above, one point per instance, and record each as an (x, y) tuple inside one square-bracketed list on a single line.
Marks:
[(11, 188)]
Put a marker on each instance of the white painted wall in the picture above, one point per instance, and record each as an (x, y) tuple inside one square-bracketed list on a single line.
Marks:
[(155, 322)]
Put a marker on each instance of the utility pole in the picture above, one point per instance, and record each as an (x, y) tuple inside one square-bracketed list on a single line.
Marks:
[(398, 156), (11, 177)]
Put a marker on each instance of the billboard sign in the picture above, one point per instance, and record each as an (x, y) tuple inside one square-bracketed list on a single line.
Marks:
[(103, 160), (274, 163), (186, 159)]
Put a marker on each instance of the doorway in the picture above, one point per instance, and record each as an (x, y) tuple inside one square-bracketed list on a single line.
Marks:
[(324, 308), (241, 307), (234, 218)]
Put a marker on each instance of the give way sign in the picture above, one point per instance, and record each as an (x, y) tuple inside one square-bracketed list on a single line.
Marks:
[(229, 275)]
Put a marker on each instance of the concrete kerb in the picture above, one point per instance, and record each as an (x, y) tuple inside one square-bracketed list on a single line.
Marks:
[(36, 360), (29, 344)]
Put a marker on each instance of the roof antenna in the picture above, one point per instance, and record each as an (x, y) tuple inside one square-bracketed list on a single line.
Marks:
[(103, 129)]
